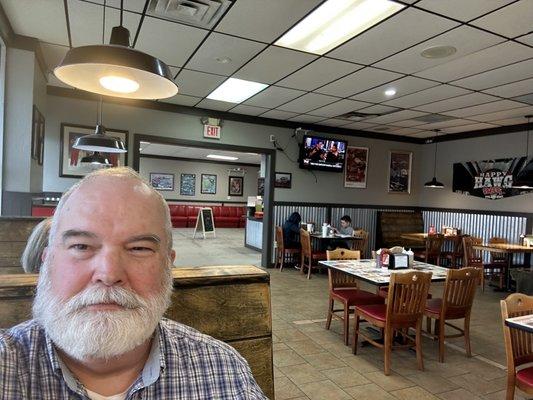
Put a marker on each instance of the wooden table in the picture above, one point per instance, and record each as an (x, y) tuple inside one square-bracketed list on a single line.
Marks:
[(319, 238), (422, 237), (366, 270), (524, 323)]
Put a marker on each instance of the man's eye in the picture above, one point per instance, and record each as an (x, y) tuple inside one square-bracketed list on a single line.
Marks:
[(141, 249), (79, 247)]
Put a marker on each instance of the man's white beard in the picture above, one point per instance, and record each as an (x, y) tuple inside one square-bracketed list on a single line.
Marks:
[(103, 334)]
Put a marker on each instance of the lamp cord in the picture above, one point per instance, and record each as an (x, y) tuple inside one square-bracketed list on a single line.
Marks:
[(121, 10), (435, 157), (103, 25), (527, 137)]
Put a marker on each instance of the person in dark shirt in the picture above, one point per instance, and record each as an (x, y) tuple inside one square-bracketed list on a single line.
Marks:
[(333, 155), (291, 231), (317, 153)]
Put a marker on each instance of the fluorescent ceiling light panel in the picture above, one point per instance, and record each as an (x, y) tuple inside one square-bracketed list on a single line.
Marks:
[(336, 21), (236, 90), (220, 157)]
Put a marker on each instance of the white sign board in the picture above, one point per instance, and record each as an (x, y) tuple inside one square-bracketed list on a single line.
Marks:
[(212, 131)]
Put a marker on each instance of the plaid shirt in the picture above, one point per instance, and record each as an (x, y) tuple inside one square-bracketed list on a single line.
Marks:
[(183, 364)]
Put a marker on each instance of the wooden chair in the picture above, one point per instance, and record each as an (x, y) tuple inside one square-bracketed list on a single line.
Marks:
[(360, 244), (344, 289), (308, 256), (456, 255), (518, 345), (281, 251), (404, 309), (498, 263), (456, 303), (474, 259), (433, 249)]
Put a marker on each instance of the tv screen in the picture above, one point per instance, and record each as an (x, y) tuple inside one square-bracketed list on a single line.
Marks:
[(323, 154)]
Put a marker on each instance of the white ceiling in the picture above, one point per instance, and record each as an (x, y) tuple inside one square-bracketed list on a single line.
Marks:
[(477, 86)]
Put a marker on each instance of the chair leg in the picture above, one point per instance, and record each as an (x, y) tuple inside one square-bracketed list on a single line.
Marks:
[(510, 387), (467, 336), (483, 281), (388, 349), (330, 312), (428, 325), (418, 342), (346, 324), (302, 262), (355, 334), (441, 339), (282, 258), (309, 268)]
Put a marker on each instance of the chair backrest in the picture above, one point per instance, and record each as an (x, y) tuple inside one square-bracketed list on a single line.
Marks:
[(407, 297), (498, 257), (339, 279), (343, 254), (459, 292), (434, 244), (472, 257), (360, 244), (457, 242), (518, 344), (305, 241), (279, 237)]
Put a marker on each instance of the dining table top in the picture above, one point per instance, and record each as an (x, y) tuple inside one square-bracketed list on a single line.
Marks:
[(318, 235), (503, 248), (421, 237), (367, 271), (524, 323)]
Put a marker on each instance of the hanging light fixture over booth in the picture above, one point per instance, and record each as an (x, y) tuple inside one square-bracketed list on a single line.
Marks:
[(524, 179), (434, 183), (117, 69)]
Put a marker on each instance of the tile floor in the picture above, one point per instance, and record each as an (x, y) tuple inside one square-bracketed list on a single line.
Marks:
[(313, 363)]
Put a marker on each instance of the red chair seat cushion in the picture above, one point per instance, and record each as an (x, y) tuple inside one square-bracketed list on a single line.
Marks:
[(376, 311), (433, 306), (525, 377), (355, 297)]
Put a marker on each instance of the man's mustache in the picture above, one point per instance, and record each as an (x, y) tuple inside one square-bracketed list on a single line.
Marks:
[(104, 295)]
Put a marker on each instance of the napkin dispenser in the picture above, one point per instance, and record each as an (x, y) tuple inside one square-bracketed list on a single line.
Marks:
[(398, 261)]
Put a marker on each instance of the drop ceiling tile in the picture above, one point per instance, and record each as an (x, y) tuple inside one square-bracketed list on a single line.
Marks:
[(397, 116), (273, 96), (182, 100), (278, 114), (172, 43), (239, 51), (53, 54), (527, 39), (359, 125), (248, 110), (457, 102), (510, 21), (196, 83), (423, 135), (464, 38), (509, 121), (513, 89), (215, 105), (381, 128), (359, 81), (131, 5), (310, 119), (436, 93), (403, 131), (483, 60), (364, 49), (403, 86), (525, 98), (335, 122), (86, 22), (460, 9), (27, 17), (408, 123), (500, 76), (318, 73), (338, 108), (445, 124), (519, 113), (379, 109), (493, 107), (468, 128), (264, 20), (307, 102), (273, 64)]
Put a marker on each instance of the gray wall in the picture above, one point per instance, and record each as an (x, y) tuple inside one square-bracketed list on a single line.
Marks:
[(178, 167)]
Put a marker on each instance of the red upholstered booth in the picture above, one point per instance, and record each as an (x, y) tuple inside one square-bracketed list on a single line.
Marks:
[(178, 215), (183, 216)]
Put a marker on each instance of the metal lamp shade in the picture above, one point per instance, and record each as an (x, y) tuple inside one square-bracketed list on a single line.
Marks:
[(83, 67), (434, 183), (524, 179), (98, 141)]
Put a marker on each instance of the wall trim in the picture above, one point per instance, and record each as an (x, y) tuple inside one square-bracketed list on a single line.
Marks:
[(198, 161)]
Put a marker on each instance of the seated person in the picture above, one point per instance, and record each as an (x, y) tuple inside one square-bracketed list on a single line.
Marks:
[(333, 155), (344, 229), (98, 330), (317, 153), (291, 231)]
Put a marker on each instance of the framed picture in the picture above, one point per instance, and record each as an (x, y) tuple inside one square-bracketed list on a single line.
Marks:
[(235, 186), (37, 136), (188, 184), (209, 184), (260, 186), (400, 171), (70, 165), (162, 181), (356, 167), (283, 180)]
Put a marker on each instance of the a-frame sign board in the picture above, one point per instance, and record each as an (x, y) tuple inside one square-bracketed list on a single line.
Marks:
[(204, 222)]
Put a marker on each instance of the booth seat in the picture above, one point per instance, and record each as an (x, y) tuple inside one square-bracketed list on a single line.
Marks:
[(178, 215), (184, 216)]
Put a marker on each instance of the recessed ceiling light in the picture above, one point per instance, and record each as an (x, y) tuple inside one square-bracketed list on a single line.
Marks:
[(336, 21), (390, 92), (438, 51), (220, 157), (236, 90), (223, 60)]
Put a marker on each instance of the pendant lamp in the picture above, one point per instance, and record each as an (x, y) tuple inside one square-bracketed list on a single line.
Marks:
[(116, 69), (524, 179), (434, 183)]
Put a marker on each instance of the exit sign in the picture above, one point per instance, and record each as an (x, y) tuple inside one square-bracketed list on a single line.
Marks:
[(212, 131)]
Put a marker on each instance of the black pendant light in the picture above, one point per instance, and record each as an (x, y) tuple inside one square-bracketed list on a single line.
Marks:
[(116, 69), (524, 179), (434, 183), (96, 159)]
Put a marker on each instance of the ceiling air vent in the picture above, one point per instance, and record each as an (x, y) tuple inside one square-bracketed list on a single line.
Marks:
[(430, 118), (359, 116), (201, 13)]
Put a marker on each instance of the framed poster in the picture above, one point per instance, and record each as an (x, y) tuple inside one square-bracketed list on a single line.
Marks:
[(37, 136), (260, 186), (188, 184), (209, 184), (162, 181), (356, 167), (283, 180), (235, 186), (70, 165), (400, 171)]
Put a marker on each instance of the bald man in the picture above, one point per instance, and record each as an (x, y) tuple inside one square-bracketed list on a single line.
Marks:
[(98, 330)]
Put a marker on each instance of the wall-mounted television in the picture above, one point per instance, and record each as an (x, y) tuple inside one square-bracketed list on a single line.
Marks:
[(322, 153)]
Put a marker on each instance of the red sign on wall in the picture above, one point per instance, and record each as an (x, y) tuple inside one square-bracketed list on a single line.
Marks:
[(212, 131)]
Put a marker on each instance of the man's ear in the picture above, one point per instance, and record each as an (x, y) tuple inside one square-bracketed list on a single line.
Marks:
[(172, 256)]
